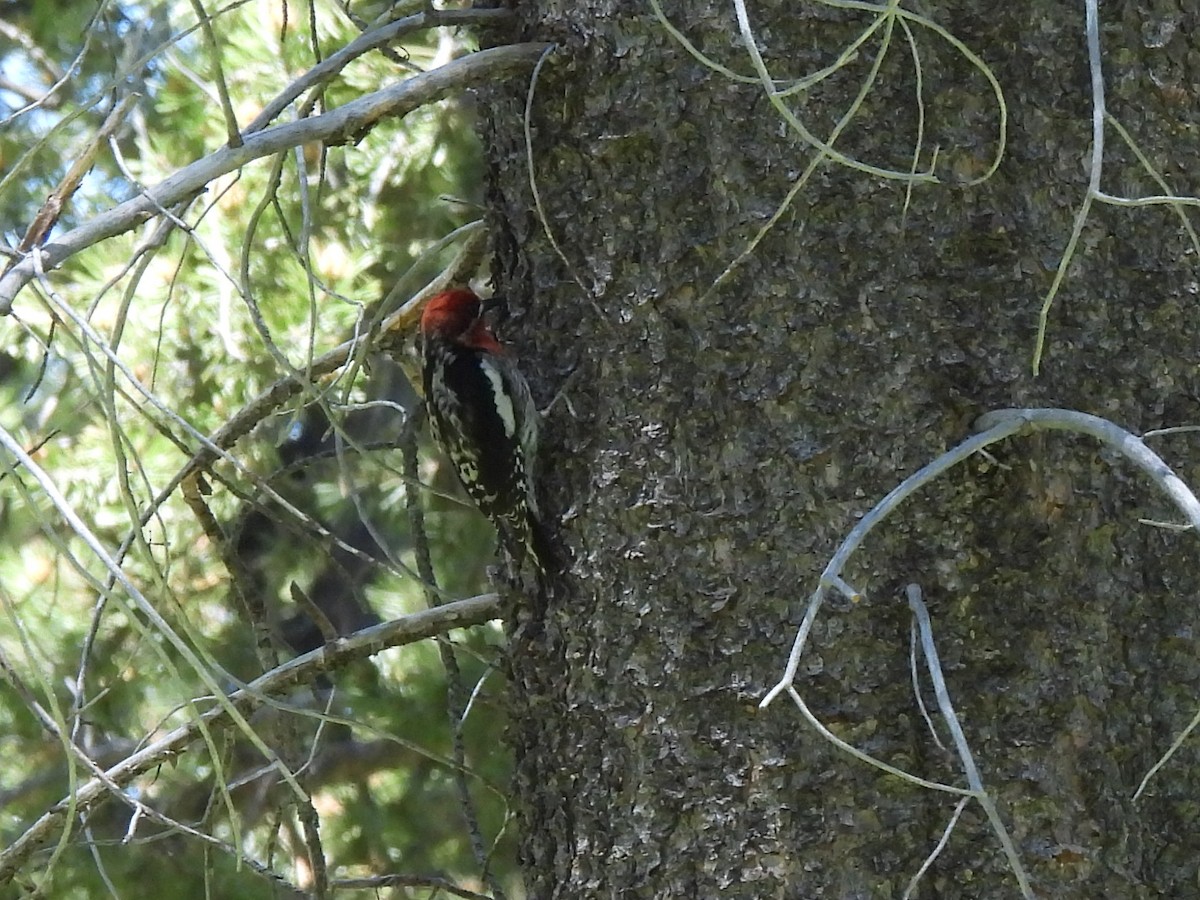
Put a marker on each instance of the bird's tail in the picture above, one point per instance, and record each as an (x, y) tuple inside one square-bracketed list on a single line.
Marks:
[(527, 539)]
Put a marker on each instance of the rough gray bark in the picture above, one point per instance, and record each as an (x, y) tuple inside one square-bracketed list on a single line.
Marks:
[(720, 443)]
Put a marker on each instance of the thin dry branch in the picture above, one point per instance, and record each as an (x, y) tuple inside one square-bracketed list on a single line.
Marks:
[(335, 655), (379, 882), (346, 123), (373, 39), (392, 331), (925, 628), (993, 427), (1130, 446)]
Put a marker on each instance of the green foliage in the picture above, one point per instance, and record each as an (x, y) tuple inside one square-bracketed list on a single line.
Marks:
[(116, 369)]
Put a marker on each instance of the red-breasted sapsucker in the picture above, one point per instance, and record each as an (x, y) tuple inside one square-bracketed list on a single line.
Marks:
[(484, 417)]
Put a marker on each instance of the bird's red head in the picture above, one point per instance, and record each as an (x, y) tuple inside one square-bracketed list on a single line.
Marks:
[(457, 316)]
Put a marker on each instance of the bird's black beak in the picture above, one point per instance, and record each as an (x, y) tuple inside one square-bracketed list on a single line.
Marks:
[(496, 303)]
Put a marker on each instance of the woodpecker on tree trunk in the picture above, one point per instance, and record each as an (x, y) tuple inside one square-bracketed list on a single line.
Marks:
[(484, 417)]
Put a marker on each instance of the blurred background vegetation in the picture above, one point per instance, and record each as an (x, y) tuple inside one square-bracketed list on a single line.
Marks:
[(274, 265)]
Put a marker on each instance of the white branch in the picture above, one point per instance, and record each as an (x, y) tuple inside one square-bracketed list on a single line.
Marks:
[(405, 630), (346, 123), (373, 39), (1130, 445), (993, 427)]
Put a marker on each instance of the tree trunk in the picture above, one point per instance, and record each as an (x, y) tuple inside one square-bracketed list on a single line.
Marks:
[(723, 432)]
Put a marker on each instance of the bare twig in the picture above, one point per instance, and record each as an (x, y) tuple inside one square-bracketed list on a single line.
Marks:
[(391, 330), (48, 215), (455, 703), (32, 49), (369, 641), (1130, 446), (994, 426), (373, 39), (832, 576), (942, 693), (527, 123), (346, 123), (1093, 188), (937, 850), (378, 882), (311, 824), (232, 132)]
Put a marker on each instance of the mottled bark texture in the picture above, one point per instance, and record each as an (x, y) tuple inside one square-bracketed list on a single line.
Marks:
[(718, 444)]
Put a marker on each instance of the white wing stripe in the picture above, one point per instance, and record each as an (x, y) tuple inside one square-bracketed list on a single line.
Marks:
[(500, 398)]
